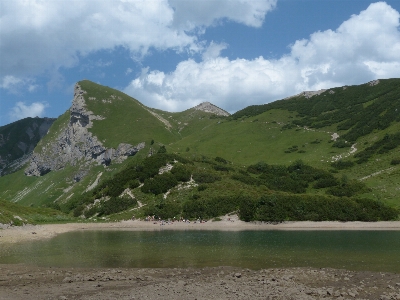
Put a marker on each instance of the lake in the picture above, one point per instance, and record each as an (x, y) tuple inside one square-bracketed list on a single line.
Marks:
[(352, 250)]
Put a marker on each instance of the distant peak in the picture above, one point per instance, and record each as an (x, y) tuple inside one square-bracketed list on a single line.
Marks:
[(211, 108)]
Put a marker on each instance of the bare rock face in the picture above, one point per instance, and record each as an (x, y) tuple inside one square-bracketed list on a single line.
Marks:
[(76, 145), (211, 108)]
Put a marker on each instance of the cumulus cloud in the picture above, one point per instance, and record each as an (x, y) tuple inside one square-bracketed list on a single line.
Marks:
[(365, 47), (40, 35), (21, 110)]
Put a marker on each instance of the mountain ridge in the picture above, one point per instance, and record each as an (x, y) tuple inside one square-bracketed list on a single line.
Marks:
[(75, 143), (18, 140), (221, 152)]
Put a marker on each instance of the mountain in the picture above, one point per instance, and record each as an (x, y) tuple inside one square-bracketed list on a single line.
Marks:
[(110, 156), (17, 141)]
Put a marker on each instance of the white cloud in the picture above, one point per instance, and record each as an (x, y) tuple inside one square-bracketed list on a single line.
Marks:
[(365, 47), (9, 82), (199, 13), (41, 35), (214, 50), (15, 85), (21, 110), (32, 87)]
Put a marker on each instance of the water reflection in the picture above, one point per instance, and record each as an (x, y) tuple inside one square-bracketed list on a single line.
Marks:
[(356, 250)]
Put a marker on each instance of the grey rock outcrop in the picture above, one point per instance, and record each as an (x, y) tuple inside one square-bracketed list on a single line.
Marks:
[(309, 94), (211, 108), (76, 145)]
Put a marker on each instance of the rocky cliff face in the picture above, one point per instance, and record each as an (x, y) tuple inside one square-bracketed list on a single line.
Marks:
[(17, 141), (76, 145)]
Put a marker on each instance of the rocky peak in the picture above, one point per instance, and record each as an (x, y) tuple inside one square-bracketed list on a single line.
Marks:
[(211, 108), (75, 145)]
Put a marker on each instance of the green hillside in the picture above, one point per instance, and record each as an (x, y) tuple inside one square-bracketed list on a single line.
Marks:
[(126, 120), (345, 139), (207, 188), (18, 139), (15, 214)]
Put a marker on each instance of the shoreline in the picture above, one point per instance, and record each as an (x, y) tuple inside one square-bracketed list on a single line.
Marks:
[(36, 283), (17, 234)]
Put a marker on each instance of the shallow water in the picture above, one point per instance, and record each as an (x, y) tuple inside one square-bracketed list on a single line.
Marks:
[(353, 250)]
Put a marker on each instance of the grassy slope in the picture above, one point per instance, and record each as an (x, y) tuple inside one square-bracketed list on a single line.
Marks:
[(18, 214), (120, 126), (126, 119), (262, 137), (244, 141), (257, 139)]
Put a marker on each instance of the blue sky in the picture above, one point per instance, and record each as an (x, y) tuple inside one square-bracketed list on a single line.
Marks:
[(175, 54)]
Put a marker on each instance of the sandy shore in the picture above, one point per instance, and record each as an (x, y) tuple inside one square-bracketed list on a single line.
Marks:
[(231, 223)]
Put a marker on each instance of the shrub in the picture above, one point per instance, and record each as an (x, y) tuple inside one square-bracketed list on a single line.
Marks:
[(159, 184), (181, 173), (341, 144), (395, 161), (347, 188), (221, 160), (202, 187), (222, 168), (342, 164), (164, 209), (326, 182), (212, 207), (162, 149), (115, 204), (202, 177), (284, 207)]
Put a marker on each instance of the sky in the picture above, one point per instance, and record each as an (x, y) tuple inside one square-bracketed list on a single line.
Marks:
[(175, 54)]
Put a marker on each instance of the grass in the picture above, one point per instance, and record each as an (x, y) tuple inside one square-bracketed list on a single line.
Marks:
[(11, 213), (247, 141), (126, 120)]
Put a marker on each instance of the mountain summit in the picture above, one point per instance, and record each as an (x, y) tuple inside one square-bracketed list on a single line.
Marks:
[(211, 108)]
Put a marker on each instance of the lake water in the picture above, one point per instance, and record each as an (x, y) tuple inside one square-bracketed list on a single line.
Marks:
[(353, 250)]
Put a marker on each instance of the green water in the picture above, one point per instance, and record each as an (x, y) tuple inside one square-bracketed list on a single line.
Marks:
[(353, 250)]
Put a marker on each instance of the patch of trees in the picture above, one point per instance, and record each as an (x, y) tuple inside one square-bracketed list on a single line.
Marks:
[(297, 178), (395, 161), (205, 177), (286, 207), (196, 207), (159, 184), (384, 145), (342, 164), (110, 206), (277, 207), (145, 172), (164, 209)]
